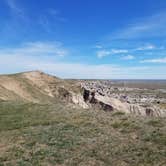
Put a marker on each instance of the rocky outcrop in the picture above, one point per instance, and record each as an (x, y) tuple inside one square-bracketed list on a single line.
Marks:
[(106, 103), (96, 101), (79, 100)]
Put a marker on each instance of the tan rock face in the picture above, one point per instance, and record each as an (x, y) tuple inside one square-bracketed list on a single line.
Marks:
[(115, 103), (78, 99)]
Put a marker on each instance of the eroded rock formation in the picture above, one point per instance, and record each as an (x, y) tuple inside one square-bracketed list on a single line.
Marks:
[(107, 103)]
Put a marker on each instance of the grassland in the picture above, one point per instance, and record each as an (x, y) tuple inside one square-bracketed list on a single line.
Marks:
[(58, 135)]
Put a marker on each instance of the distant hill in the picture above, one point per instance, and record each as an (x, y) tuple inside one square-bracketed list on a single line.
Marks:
[(34, 86)]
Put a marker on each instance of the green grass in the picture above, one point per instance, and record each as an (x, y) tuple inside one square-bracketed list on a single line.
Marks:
[(34, 135), (118, 113), (155, 122)]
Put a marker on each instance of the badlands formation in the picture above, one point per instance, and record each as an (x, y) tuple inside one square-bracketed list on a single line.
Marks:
[(116, 96), (38, 87)]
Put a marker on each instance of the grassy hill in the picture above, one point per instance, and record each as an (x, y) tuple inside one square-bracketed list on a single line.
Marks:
[(50, 132), (35, 86)]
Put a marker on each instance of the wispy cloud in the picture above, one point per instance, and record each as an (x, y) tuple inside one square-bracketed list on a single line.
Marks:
[(36, 49), (152, 26), (158, 60), (146, 47), (15, 8), (44, 56), (21, 16), (103, 53), (18, 22), (18, 63), (56, 14), (98, 46), (119, 51), (128, 57), (49, 18)]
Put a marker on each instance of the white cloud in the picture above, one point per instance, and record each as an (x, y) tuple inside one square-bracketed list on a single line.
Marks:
[(36, 49), (16, 63), (128, 57), (49, 18), (152, 26), (146, 47), (20, 63), (15, 8), (159, 60), (98, 46), (23, 59), (118, 51), (103, 53), (56, 14)]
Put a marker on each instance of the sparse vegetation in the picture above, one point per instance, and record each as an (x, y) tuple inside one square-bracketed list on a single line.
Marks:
[(36, 134), (155, 122), (40, 126), (118, 113)]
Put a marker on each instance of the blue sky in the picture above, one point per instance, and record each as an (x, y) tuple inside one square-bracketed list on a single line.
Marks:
[(106, 39)]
